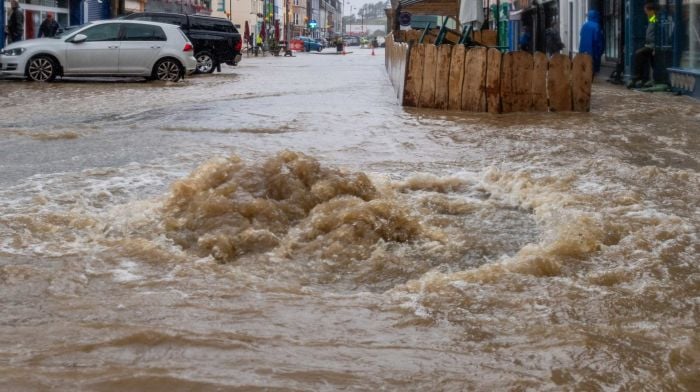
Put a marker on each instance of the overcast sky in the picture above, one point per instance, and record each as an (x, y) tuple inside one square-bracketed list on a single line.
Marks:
[(357, 4)]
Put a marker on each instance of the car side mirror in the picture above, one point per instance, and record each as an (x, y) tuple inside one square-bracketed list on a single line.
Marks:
[(79, 38)]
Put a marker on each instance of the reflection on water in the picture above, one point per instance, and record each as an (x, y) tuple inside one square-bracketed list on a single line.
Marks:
[(247, 245)]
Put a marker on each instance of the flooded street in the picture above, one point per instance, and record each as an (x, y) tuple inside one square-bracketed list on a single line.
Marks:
[(285, 225)]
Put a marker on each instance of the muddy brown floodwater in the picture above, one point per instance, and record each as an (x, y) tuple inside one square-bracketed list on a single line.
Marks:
[(284, 225)]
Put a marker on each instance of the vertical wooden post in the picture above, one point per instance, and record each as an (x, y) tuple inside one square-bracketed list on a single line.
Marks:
[(507, 83), (493, 81), (539, 83), (456, 78), (474, 87), (522, 81), (581, 81), (559, 83), (442, 86), (427, 92), (414, 76)]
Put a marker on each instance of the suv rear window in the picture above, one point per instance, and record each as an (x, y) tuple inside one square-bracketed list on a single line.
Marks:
[(222, 26), (170, 19)]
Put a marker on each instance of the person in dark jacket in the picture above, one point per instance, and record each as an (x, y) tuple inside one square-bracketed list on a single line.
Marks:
[(552, 39), (15, 23), (49, 27), (643, 56), (592, 41)]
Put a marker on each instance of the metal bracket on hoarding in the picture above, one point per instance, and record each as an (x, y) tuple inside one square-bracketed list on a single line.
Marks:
[(422, 36)]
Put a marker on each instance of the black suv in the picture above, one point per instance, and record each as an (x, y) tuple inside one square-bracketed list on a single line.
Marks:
[(215, 40)]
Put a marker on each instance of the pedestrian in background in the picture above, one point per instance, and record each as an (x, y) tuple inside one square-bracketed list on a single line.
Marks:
[(15, 23), (49, 27), (591, 40), (525, 41), (552, 39), (643, 56)]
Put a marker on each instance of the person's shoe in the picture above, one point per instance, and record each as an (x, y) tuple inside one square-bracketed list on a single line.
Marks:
[(648, 84), (632, 83)]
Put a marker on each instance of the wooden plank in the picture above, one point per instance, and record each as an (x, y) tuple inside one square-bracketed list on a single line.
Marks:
[(559, 83), (507, 83), (522, 81), (402, 70), (474, 87), (442, 85), (414, 76), (539, 83), (485, 37), (581, 81), (456, 78), (427, 91), (493, 81)]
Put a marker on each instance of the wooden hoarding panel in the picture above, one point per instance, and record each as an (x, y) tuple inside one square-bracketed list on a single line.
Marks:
[(474, 87), (456, 78), (522, 81), (414, 76), (559, 83), (539, 83), (581, 80), (507, 83), (493, 81), (427, 92), (442, 86)]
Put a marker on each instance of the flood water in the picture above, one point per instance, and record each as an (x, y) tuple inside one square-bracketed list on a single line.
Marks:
[(285, 225)]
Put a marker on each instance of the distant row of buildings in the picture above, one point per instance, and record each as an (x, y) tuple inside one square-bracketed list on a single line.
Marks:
[(298, 14)]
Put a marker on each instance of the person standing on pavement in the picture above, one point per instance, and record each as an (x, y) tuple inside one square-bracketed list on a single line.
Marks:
[(49, 27), (592, 41), (525, 41), (552, 39), (15, 23), (643, 56)]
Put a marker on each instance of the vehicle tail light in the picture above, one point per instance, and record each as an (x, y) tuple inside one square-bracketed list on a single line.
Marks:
[(238, 46), (188, 47)]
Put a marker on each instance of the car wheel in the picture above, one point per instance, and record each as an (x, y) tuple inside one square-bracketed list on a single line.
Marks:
[(168, 70), (319, 49), (308, 48), (205, 63), (42, 69)]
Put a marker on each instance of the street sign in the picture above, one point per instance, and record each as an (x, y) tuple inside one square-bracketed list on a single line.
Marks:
[(312, 24), (405, 19)]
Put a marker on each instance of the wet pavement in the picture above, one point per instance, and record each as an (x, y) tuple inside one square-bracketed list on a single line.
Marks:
[(286, 225)]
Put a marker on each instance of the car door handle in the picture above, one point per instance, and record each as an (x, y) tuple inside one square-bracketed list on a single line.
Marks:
[(113, 47), (155, 47)]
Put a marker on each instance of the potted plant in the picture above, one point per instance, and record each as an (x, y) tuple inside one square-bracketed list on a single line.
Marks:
[(275, 47)]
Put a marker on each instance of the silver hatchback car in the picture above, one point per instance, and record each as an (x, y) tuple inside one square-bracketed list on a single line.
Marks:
[(106, 48)]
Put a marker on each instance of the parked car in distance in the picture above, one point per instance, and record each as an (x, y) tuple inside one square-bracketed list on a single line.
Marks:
[(322, 41), (105, 48), (351, 40), (216, 40), (310, 44)]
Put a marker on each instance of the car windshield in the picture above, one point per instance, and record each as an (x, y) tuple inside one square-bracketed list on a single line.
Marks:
[(69, 30)]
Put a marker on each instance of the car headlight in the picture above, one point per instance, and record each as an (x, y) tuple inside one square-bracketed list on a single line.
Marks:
[(12, 52)]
